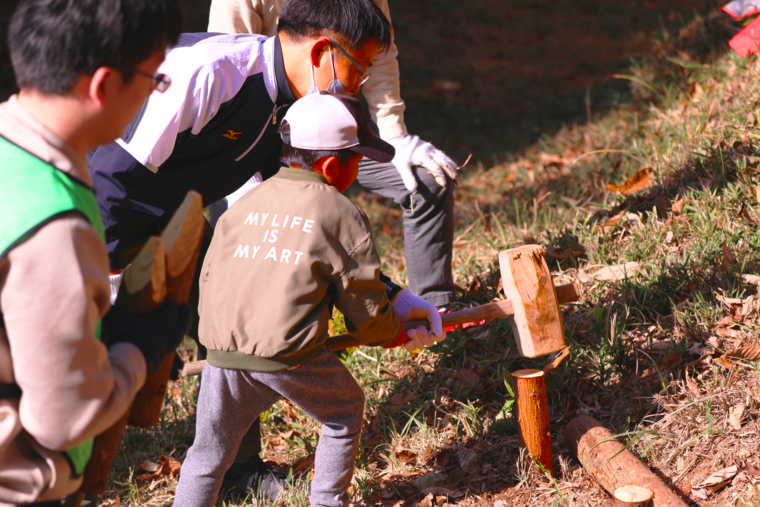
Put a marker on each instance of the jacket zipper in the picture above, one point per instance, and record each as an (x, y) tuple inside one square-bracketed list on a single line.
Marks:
[(273, 117)]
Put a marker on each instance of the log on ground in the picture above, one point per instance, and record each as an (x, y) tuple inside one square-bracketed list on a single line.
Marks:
[(612, 466)]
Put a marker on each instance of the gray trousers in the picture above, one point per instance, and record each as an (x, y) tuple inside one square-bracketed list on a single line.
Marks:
[(428, 216), (230, 400)]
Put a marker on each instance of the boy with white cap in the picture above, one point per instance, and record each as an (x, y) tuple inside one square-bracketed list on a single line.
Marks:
[(281, 257)]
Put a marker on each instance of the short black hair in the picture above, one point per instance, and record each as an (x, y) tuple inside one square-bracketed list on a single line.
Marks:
[(353, 22), (53, 42), (305, 159)]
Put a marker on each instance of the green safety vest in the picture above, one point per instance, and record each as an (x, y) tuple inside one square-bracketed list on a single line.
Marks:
[(32, 194)]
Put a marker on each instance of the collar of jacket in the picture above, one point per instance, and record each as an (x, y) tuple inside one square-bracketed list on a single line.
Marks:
[(285, 94), (286, 173)]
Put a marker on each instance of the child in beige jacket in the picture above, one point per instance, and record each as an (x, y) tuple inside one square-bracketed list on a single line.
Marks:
[(280, 259)]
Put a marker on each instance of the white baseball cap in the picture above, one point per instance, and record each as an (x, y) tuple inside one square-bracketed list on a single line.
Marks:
[(328, 121)]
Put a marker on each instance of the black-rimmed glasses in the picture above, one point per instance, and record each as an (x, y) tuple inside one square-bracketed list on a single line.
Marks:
[(161, 82)]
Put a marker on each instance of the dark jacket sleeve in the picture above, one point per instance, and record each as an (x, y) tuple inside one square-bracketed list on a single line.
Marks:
[(111, 167)]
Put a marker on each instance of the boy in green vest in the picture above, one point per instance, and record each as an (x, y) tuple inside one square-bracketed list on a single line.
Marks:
[(84, 68)]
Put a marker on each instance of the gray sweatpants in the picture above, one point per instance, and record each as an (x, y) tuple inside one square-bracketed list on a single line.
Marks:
[(428, 226), (230, 400)]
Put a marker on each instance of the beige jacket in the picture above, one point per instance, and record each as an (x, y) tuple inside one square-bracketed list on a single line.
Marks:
[(280, 257), (382, 91), (53, 290)]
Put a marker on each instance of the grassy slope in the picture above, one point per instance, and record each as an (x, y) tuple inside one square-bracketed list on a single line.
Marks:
[(633, 361)]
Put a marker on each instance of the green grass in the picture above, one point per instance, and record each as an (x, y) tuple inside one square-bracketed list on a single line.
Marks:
[(690, 115)]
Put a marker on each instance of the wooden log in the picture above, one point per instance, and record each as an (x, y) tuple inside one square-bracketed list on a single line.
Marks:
[(533, 426), (103, 453), (527, 282), (633, 496), (182, 239), (143, 286), (612, 466)]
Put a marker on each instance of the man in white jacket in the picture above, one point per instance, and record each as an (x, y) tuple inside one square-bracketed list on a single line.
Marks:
[(420, 178)]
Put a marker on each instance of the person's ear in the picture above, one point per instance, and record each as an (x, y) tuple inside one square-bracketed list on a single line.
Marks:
[(331, 168), (319, 47), (103, 85)]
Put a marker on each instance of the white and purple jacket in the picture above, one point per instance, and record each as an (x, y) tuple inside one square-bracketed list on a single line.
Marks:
[(211, 131)]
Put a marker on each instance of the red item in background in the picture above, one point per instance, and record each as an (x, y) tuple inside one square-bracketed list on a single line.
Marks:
[(747, 42), (740, 9)]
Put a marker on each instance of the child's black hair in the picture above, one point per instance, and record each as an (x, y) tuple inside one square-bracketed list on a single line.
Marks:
[(53, 42), (353, 22), (305, 159)]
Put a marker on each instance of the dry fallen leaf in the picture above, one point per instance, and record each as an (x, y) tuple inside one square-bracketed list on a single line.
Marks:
[(751, 279), (642, 179), (399, 399), (751, 352), (406, 456), (610, 273), (720, 478), (428, 501), (735, 416), (305, 462), (469, 379), (438, 491), (729, 259), (677, 207), (744, 213), (562, 253), (166, 467)]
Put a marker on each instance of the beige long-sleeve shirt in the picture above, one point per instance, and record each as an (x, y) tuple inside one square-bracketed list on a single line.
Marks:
[(382, 91), (53, 290)]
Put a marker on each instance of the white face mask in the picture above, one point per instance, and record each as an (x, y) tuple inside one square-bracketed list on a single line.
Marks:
[(335, 85)]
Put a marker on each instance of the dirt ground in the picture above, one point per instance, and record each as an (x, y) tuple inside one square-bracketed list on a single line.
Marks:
[(489, 77)]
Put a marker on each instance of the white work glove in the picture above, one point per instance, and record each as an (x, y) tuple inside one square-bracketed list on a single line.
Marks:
[(419, 338), (413, 151), (410, 307)]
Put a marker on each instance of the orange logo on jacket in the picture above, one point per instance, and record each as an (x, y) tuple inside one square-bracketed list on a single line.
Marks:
[(231, 134)]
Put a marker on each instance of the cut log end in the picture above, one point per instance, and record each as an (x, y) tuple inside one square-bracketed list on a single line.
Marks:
[(533, 424), (143, 288), (633, 496), (182, 234), (528, 373)]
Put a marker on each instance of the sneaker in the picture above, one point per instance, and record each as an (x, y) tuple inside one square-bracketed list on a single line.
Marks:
[(456, 306), (255, 478)]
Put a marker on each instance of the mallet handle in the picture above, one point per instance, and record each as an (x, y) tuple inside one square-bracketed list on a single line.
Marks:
[(567, 293)]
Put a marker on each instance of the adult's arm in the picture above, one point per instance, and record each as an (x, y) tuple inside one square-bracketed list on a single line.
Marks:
[(110, 166), (55, 291), (382, 91)]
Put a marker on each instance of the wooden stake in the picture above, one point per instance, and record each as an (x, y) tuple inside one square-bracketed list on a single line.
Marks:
[(611, 465), (533, 415), (633, 496), (103, 453), (182, 239), (537, 323)]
